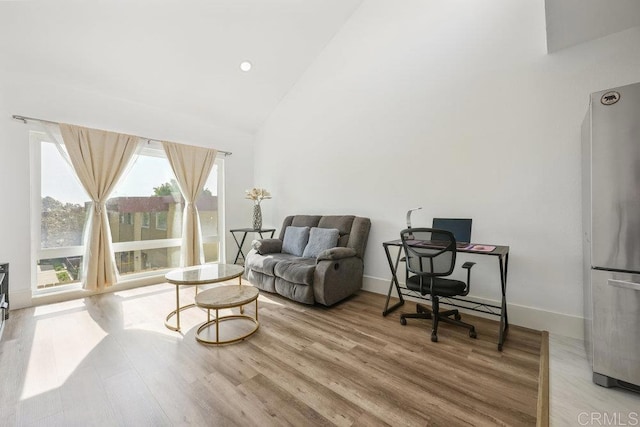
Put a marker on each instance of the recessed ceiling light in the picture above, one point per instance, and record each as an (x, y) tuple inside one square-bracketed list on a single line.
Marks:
[(245, 66)]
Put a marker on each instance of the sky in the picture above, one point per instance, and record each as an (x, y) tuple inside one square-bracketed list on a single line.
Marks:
[(59, 181)]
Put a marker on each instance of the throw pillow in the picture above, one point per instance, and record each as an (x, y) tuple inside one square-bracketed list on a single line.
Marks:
[(321, 239), (295, 240)]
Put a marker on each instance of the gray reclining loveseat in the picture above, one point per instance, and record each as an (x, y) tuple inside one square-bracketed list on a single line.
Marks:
[(316, 258)]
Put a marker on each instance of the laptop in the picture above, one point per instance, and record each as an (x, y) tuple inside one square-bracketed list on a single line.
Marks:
[(460, 227)]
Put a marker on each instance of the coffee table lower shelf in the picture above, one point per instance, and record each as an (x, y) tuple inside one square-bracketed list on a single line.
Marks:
[(224, 297)]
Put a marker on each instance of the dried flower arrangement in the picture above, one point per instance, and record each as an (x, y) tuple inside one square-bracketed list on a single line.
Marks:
[(257, 195)]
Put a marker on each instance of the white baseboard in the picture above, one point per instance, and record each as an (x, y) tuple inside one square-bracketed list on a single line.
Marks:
[(529, 317)]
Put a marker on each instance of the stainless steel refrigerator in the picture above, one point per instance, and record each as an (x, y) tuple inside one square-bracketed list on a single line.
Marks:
[(611, 225)]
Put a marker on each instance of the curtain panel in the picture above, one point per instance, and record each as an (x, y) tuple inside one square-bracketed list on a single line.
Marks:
[(191, 166), (99, 159)]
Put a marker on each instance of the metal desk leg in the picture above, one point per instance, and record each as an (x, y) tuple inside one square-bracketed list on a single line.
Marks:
[(506, 268), (504, 319), (394, 281)]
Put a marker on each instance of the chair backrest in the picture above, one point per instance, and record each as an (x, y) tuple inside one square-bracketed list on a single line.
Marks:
[(429, 252)]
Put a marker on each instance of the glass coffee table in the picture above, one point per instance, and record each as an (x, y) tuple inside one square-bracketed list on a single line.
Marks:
[(198, 275)]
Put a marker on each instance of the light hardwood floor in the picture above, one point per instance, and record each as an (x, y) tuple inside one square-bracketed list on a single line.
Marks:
[(109, 360), (574, 398)]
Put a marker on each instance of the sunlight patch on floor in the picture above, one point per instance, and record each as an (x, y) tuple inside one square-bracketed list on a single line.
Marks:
[(57, 353), (60, 307), (265, 299)]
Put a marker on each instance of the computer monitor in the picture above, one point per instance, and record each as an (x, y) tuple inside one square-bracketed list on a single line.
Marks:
[(460, 227)]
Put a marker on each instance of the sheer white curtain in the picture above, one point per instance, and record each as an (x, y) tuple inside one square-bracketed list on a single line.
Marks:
[(99, 159), (192, 166)]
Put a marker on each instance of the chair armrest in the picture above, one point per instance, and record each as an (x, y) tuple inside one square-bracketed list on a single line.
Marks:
[(267, 246), (468, 266), (336, 253)]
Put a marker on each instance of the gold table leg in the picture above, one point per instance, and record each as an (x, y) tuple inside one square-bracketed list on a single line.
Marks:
[(177, 311), (217, 327), (178, 307)]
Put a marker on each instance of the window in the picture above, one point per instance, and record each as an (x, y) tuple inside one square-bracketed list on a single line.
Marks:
[(161, 221), (61, 214), (146, 219), (126, 218), (144, 211)]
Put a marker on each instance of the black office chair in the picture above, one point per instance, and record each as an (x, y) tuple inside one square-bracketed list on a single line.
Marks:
[(430, 256)]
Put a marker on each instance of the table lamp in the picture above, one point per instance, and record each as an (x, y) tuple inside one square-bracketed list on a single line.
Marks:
[(409, 216)]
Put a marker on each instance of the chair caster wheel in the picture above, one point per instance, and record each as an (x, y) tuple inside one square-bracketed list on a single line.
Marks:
[(457, 316), (403, 321), (434, 337), (472, 334)]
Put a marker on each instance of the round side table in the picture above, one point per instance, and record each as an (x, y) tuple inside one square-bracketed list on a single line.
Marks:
[(226, 297)]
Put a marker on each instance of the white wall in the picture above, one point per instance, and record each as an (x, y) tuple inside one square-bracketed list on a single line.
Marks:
[(456, 107), (36, 96)]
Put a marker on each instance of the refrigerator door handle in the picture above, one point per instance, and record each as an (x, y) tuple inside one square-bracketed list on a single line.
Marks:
[(624, 284)]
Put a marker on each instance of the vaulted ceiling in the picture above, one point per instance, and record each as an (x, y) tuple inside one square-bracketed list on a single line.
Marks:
[(185, 56), (570, 22), (180, 56)]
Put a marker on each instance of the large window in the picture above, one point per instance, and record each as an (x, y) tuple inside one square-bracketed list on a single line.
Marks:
[(61, 218), (144, 211)]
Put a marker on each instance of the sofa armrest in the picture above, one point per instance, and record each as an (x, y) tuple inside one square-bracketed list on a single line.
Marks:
[(267, 246), (336, 279), (336, 253)]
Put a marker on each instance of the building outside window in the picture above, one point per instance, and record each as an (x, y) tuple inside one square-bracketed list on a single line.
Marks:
[(144, 211)]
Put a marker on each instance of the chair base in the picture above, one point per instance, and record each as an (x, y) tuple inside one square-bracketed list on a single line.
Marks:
[(424, 312)]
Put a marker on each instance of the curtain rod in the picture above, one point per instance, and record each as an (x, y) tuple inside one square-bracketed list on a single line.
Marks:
[(24, 119)]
